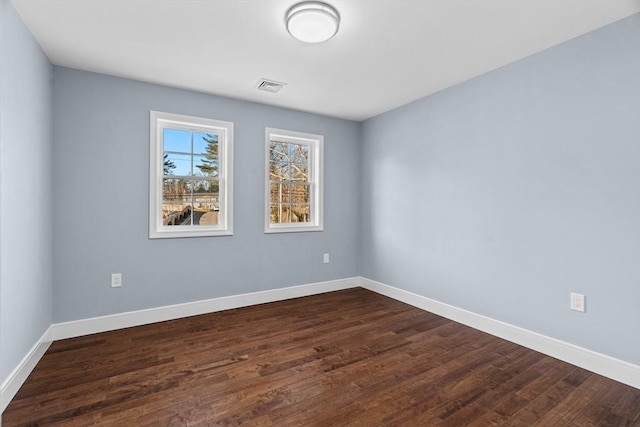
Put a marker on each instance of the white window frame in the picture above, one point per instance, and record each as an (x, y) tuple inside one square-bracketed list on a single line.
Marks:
[(316, 152), (158, 122)]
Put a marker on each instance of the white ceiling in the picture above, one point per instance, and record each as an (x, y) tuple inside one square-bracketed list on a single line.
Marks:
[(387, 52)]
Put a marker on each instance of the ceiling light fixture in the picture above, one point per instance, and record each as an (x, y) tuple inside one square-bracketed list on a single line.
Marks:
[(312, 21)]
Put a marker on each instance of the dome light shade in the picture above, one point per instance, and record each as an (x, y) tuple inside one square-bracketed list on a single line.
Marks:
[(312, 21)]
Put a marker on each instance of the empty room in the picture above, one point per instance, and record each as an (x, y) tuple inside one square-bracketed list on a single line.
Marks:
[(304, 213)]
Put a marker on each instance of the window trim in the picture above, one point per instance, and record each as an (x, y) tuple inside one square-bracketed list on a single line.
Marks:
[(157, 122), (316, 145)]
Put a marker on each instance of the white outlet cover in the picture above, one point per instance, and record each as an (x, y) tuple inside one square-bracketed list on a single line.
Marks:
[(116, 280), (577, 302)]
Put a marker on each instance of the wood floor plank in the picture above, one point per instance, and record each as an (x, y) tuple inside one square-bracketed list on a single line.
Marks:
[(626, 410), (548, 372), (346, 358)]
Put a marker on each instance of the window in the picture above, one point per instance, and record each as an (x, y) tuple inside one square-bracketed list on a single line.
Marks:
[(293, 181), (190, 183)]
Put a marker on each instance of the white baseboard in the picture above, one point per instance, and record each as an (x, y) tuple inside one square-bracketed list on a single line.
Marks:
[(607, 366), (17, 377), (159, 314)]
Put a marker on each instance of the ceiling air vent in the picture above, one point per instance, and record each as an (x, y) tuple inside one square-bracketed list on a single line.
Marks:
[(269, 85)]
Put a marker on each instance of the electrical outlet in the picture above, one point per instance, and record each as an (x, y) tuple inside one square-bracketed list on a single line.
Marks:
[(326, 258), (577, 302), (116, 280)]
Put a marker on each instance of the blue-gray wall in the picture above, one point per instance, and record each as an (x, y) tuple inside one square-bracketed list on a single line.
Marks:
[(25, 191), (505, 193), (100, 208)]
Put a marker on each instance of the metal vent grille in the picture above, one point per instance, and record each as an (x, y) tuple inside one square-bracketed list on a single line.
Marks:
[(269, 85)]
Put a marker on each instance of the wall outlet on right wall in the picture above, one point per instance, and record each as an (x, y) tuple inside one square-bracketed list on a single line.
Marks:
[(577, 302), (116, 280)]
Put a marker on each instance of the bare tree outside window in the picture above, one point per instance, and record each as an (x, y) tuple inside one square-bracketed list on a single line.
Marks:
[(293, 185), (289, 182)]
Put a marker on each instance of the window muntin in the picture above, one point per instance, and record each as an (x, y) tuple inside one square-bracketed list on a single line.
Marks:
[(190, 184), (294, 181)]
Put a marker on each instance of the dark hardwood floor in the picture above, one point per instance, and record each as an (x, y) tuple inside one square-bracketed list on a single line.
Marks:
[(348, 358)]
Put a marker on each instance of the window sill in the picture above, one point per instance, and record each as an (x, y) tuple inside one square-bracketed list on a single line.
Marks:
[(271, 229), (168, 234)]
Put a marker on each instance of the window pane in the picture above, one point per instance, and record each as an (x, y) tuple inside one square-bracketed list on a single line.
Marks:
[(279, 171), (176, 201), (206, 202), (205, 143), (299, 172), (274, 218), (299, 153), (300, 213), (177, 164), (206, 186), (176, 140), (279, 151), (299, 193), (205, 166), (206, 217)]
